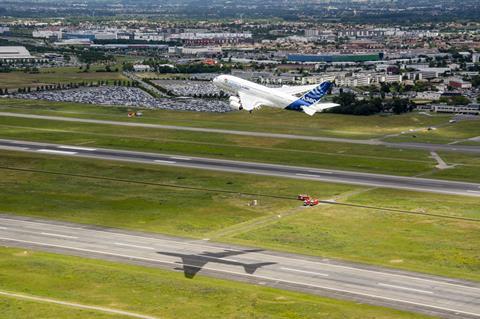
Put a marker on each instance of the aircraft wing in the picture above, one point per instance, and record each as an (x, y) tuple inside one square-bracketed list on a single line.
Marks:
[(229, 253), (249, 102), (294, 90), (318, 107), (192, 265)]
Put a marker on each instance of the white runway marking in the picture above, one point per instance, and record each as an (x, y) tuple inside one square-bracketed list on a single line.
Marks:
[(473, 192), (78, 148), (305, 271), (181, 158), (405, 288), (45, 150), (3, 228), (316, 263), (134, 246), (59, 235), (164, 162), (247, 275)]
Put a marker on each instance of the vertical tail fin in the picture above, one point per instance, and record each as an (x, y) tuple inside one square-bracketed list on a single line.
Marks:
[(311, 97), (317, 93)]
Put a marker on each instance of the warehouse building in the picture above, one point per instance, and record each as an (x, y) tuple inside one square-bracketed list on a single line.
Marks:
[(8, 53), (331, 58)]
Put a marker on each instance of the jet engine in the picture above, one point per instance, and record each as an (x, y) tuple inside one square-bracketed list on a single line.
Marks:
[(235, 103)]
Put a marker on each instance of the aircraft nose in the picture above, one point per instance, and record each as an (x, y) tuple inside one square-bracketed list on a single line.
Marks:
[(217, 80)]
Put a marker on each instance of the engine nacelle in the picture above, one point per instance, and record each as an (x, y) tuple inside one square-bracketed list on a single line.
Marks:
[(235, 105), (234, 99)]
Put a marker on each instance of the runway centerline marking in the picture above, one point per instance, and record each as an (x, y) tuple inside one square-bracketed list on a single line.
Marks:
[(247, 275), (164, 162), (181, 158), (59, 235), (203, 246), (305, 271), (134, 246), (78, 148), (405, 288), (45, 150)]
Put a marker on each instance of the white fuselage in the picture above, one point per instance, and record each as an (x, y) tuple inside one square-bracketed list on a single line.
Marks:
[(268, 96)]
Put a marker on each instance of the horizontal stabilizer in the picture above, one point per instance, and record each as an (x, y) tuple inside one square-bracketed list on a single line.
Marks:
[(309, 110)]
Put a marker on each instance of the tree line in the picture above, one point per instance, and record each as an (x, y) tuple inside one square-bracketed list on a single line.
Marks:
[(349, 104), (66, 86)]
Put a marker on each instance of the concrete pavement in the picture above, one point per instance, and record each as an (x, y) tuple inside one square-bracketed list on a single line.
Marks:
[(419, 146), (448, 298), (306, 173)]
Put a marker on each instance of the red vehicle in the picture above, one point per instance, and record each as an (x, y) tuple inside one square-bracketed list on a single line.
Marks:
[(311, 202), (303, 197)]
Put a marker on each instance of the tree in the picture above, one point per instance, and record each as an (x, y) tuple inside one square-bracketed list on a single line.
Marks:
[(476, 81), (455, 100), (399, 106)]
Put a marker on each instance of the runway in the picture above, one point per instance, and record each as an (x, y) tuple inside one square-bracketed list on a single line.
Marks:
[(448, 298), (306, 173), (419, 146)]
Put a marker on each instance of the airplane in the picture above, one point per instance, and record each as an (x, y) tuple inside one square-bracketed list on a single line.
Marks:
[(192, 264), (248, 95)]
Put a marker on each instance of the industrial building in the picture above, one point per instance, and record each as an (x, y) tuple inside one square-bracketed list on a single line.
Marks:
[(472, 109), (330, 58), (10, 53)]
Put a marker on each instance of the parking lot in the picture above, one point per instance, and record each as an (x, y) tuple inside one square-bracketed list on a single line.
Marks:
[(188, 88), (128, 96)]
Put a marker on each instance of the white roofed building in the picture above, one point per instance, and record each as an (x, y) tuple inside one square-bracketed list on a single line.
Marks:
[(9, 53)]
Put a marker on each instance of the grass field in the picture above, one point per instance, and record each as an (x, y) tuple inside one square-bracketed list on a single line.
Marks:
[(443, 135), (467, 167), (366, 158), (159, 293), (14, 80), (14, 309), (420, 243), (264, 120), (185, 212)]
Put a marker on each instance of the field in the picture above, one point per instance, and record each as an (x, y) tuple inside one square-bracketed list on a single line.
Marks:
[(461, 131), (366, 158), (14, 308), (136, 205), (415, 242), (154, 292), (346, 156), (14, 80), (264, 120), (466, 167)]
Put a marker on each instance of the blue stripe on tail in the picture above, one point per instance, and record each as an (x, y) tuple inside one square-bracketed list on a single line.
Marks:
[(311, 97)]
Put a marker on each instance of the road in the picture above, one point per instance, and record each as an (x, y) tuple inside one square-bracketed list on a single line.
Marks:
[(306, 173), (419, 146), (427, 294)]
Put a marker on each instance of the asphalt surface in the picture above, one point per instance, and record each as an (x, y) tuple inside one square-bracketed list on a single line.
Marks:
[(326, 175), (432, 295), (419, 146)]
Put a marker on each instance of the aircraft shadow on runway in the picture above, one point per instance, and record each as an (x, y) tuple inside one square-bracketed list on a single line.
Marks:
[(192, 264)]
